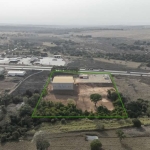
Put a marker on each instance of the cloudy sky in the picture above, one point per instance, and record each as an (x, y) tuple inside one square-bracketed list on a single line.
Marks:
[(75, 12)]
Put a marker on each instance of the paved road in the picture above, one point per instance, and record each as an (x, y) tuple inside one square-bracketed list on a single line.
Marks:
[(48, 68)]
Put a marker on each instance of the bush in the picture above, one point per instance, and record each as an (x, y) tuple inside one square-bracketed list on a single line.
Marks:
[(2, 77), (95, 145), (136, 123), (42, 144), (63, 121), (15, 135), (17, 99)]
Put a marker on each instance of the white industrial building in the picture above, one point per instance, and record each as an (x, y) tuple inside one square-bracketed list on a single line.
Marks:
[(13, 59), (16, 73), (2, 70), (63, 83)]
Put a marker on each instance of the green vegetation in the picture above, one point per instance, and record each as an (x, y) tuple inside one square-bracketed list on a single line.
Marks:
[(96, 145), (138, 108), (148, 65), (95, 98), (2, 77), (120, 134), (136, 123), (42, 144)]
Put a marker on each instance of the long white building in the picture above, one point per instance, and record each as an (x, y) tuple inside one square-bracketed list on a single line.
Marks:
[(16, 73)]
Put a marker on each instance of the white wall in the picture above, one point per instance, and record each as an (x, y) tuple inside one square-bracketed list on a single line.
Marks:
[(62, 86)]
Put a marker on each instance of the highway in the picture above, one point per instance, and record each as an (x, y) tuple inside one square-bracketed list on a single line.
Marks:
[(48, 68)]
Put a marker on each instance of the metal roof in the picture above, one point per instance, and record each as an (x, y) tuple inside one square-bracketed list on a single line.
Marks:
[(16, 71), (63, 79)]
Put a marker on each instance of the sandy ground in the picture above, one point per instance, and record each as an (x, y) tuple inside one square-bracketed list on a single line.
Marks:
[(82, 99)]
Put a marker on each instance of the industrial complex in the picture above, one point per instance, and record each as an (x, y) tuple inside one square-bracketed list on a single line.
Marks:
[(67, 82)]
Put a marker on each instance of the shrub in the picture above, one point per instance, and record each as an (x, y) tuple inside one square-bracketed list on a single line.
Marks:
[(95, 145), (136, 123), (63, 121), (15, 135)]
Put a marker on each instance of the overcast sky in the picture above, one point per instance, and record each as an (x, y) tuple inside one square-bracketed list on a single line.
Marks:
[(75, 12)]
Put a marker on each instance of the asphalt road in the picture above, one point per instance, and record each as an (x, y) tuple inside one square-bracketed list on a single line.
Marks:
[(48, 68)]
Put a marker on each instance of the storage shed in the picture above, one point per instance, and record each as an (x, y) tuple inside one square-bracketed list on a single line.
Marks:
[(63, 83), (16, 73), (83, 76)]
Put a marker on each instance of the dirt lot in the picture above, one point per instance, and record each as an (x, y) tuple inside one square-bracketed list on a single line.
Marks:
[(82, 99), (133, 87)]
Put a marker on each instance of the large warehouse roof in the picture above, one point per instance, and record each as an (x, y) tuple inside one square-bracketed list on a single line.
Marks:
[(63, 79)]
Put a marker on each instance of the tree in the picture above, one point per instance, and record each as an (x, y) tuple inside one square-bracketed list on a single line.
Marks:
[(15, 135), (120, 134), (95, 98), (96, 145), (136, 123), (25, 110), (42, 144)]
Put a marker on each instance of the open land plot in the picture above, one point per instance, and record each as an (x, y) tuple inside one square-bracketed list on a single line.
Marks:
[(133, 87), (7, 84), (92, 63), (137, 34), (76, 141), (82, 99), (35, 82), (129, 64), (49, 44)]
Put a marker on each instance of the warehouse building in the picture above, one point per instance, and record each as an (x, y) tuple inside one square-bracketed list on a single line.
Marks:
[(13, 60), (63, 83), (2, 70), (16, 73)]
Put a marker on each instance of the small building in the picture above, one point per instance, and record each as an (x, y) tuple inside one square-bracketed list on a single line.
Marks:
[(83, 76), (63, 83), (13, 60), (2, 70), (33, 59), (57, 56), (16, 73)]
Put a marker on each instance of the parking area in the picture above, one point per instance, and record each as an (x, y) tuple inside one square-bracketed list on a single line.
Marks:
[(95, 78)]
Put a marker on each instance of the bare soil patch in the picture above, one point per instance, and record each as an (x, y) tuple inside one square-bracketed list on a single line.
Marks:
[(82, 98)]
